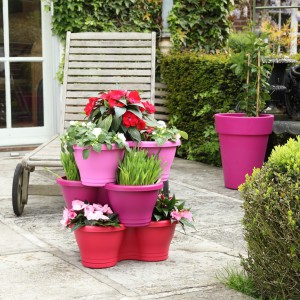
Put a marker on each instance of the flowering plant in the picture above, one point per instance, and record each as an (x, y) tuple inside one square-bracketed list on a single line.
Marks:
[(89, 135), (160, 133), (120, 111), (84, 214), (169, 208)]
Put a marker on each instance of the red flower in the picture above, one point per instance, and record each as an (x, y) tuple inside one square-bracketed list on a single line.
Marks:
[(113, 103), (141, 124), (130, 120), (116, 94), (89, 107), (133, 97), (149, 129), (150, 108)]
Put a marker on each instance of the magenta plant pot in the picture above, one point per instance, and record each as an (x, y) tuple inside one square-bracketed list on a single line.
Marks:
[(75, 190), (166, 154), (99, 168), (99, 246), (134, 204), (243, 144)]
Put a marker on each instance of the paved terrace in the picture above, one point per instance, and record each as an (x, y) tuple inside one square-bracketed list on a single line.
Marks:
[(40, 260)]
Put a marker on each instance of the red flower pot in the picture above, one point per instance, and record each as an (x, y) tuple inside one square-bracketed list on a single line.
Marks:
[(99, 246), (148, 243), (75, 190), (133, 203)]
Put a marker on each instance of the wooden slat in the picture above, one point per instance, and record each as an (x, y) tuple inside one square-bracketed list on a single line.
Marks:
[(75, 109), (110, 51), (113, 58), (97, 87), (110, 36), (111, 43), (108, 79), (109, 72), (110, 65), (161, 109)]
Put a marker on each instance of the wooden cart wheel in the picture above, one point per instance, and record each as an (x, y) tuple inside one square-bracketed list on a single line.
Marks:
[(17, 190)]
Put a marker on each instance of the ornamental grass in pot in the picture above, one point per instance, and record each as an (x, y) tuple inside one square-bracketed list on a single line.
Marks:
[(71, 186), (244, 136), (138, 182), (98, 233)]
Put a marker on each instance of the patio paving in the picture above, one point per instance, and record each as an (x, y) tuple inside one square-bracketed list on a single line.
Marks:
[(40, 260)]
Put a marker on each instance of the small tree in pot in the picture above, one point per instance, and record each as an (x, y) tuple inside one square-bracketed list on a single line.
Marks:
[(244, 136)]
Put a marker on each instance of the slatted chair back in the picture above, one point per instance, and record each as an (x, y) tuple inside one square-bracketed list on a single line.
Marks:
[(101, 61)]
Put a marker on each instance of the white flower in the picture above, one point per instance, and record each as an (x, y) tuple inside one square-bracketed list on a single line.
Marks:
[(161, 124), (72, 123), (83, 124), (97, 132), (121, 136), (89, 124), (178, 136)]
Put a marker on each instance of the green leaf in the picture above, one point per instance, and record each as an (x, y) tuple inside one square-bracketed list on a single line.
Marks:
[(120, 111), (86, 153), (183, 134), (134, 133)]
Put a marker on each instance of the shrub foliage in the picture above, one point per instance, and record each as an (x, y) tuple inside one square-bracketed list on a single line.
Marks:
[(199, 85), (272, 223)]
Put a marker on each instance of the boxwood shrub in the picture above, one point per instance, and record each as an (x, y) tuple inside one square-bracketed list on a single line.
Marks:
[(199, 85), (272, 223)]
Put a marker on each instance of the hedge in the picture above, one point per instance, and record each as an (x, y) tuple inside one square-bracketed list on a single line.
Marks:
[(199, 85)]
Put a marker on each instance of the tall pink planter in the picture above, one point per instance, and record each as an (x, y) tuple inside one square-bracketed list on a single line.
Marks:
[(243, 144), (99, 168), (75, 190), (133, 203), (166, 153)]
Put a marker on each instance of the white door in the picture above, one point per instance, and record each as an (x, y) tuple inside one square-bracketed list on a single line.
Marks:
[(26, 101)]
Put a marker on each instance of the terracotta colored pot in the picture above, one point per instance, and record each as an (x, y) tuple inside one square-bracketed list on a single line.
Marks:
[(165, 152), (243, 143), (99, 168), (134, 204), (75, 190), (99, 246)]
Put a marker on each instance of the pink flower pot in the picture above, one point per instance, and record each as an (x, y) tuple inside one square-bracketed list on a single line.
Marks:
[(99, 246), (243, 144), (134, 204), (166, 154), (99, 168), (75, 190)]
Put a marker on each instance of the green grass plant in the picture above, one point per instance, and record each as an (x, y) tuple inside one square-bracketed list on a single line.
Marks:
[(137, 168), (69, 166)]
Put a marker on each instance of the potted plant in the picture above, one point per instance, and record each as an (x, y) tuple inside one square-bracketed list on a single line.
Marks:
[(138, 182), (71, 186), (96, 151), (244, 136), (98, 233), (162, 140), (152, 242)]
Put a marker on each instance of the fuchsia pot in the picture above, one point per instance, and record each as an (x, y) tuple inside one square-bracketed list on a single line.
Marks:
[(99, 246), (99, 168), (134, 204), (166, 153), (243, 144), (75, 190)]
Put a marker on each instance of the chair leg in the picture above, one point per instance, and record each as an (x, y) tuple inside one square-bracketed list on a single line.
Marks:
[(20, 189)]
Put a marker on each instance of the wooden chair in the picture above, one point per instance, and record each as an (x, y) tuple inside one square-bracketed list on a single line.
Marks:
[(94, 62)]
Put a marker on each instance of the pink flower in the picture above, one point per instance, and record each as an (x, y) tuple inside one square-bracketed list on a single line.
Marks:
[(97, 206), (96, 215), (106, 209), (66, 220), (88, 209), (72, 214), (187, 214), (78, 205), (175, 214)]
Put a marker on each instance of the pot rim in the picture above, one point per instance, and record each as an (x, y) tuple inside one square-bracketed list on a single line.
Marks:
[(95, 229), (133, 188), (104, 147), (153, 144)]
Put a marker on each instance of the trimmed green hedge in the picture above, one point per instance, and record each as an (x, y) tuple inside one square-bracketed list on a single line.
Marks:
[(199, 85)]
